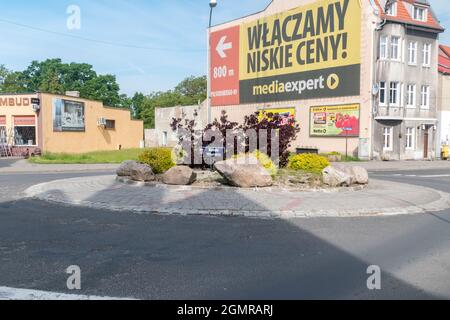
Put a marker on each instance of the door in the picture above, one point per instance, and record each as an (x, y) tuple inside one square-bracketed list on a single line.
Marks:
[(425, 144)]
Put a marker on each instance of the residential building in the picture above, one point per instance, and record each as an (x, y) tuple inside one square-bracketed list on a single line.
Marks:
[(444, 97)]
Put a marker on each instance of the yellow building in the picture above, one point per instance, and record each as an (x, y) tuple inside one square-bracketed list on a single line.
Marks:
[(64, 124)]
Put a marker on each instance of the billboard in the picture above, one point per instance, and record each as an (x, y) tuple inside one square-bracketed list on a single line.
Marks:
[(287, 114), (335, 121), (68, 116), (308, 52)]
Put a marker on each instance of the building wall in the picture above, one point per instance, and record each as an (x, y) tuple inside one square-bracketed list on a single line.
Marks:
[(422, 121), (127, 133), (361, 145), (444, 109), (164, 117)]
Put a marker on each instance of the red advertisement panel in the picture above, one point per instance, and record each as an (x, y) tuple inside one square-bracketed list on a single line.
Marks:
[(2, 121), (225, 67), (25, 121)]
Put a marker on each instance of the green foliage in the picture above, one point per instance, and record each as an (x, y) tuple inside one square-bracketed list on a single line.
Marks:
[(160, 159), (115, 156), (54, 76), (308, 162)]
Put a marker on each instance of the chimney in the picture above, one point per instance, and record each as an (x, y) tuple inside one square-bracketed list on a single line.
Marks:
[(74, 94)]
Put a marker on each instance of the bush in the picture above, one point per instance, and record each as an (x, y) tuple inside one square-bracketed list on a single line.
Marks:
[(160, 159), (308, 162)]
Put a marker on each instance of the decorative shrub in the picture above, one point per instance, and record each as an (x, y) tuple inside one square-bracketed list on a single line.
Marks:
[(308, 162), (264, 160), (160, 159)]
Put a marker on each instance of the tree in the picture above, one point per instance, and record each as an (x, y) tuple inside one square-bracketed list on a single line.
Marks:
[(54, 76), (193, 89)]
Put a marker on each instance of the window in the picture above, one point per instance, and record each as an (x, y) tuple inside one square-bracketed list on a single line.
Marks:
[(394, 94), (426, 54), (3, 135), (410, 137), (382, 96), (391, 10), (425, 97), (388, 138), (164, 138), (411, 96), (412, 53), (110, 124), (25, 131), (420, 14), (395, 48), (383, 47)]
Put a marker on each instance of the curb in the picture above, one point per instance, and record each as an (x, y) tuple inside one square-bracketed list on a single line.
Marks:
[(35, 192)]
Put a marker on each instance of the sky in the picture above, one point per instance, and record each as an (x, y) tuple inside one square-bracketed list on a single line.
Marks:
[(150, 45)]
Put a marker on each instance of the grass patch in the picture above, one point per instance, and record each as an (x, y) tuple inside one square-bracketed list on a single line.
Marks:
[(116, 156)]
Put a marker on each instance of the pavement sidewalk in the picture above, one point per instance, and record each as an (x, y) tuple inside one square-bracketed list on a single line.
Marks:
[(23, 166), (105, 192)]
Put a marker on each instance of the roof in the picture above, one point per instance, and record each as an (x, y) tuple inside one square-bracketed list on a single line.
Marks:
[(404, 14), (444, 59)]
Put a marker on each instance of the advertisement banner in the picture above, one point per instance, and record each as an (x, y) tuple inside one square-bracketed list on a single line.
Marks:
[(68, 116), (335, 121), (287, 114), (304, 53)]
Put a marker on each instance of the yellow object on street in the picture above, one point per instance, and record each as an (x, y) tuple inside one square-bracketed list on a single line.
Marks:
[(445, 152)]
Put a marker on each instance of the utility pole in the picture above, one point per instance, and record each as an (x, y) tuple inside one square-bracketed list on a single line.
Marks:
[(212, 5)]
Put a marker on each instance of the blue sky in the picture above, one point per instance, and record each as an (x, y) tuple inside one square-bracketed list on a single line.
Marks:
[(176, 25)]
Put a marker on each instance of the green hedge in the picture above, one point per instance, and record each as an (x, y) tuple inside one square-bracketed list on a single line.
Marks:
[(160, 159), (308, 162)]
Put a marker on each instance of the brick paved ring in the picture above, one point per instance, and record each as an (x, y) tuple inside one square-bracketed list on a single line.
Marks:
[(105, 192)]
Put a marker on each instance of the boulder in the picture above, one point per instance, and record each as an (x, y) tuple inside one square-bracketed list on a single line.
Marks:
[(180, 175), (142, 172), (360, 175), (244, 173), (126, 167), (336, 178)]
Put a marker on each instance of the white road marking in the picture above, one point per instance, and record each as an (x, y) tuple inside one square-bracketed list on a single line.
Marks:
[(436, 176), (7, 293)]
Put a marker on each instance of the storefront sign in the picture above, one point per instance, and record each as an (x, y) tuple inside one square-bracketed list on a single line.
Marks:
[(24, 121), (335, 121), (68, 116), (304, 53), (2, 121), (14, 102), (287, 114)]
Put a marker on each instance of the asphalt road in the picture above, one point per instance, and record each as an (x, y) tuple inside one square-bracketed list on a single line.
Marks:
[(168, 257)]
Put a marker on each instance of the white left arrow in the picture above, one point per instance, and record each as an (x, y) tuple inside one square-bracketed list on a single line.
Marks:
[(222, 47)]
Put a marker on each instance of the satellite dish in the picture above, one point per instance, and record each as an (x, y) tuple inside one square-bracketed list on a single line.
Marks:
[(375, 89)]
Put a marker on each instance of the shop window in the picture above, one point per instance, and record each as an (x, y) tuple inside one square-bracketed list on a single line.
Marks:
[(388, 138), (410, 137), (25, 131), (391, 9), (110, 124), (3, 138)]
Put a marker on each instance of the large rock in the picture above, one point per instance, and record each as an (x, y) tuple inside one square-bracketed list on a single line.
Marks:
[(180, 175), (336, 178), (244, 172), (142, 172), (126, 167), (360, 175)]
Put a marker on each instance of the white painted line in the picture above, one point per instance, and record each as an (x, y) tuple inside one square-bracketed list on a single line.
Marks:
[(26, 294), (436, 176)]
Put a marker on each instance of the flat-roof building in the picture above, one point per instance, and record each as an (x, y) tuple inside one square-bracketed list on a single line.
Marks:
[(64, 124)]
